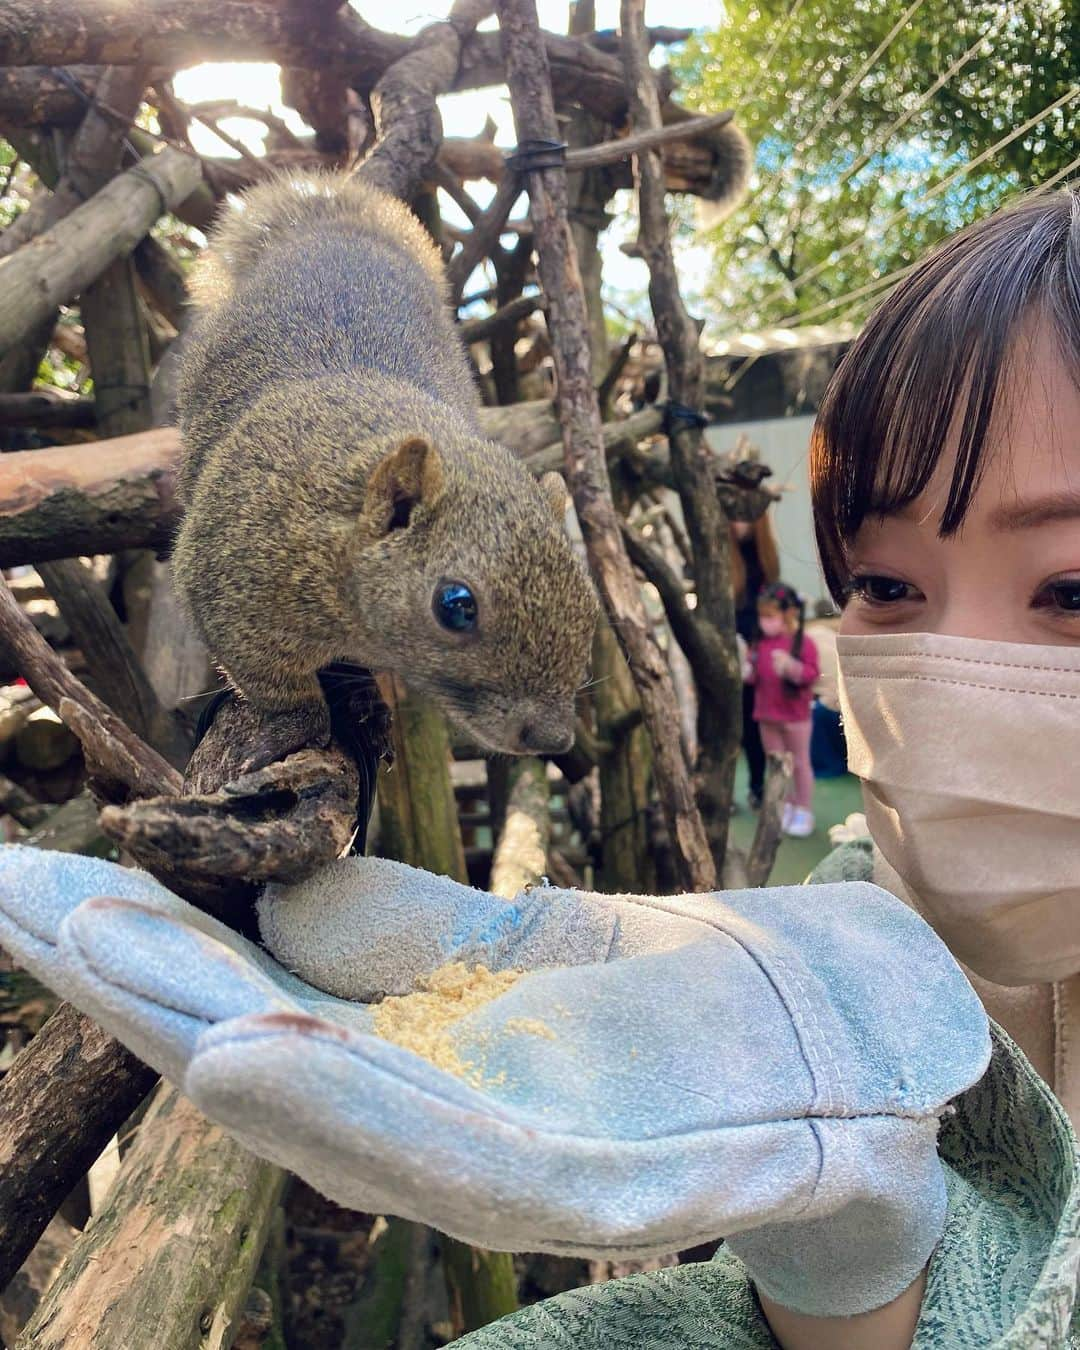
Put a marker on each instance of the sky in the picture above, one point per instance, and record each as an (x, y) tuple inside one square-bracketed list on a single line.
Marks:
[(256, 84)]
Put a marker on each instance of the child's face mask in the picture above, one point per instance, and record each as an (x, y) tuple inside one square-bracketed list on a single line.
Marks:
[(969, 752), (771, 625)]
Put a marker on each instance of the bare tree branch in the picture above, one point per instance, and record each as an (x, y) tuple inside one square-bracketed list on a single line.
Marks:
[(534, 116)]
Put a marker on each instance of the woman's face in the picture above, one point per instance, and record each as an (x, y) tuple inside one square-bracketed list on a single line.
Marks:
[(1012, 572)]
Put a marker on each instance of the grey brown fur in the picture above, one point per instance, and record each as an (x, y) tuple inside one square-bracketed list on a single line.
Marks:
[(334, 474)]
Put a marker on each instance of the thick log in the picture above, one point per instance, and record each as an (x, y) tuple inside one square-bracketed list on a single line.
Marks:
[(35, 279), (74, 501), (45, 408), (169, 1260), (175, 33), (31, 95), (586, 467), (60, 1103)]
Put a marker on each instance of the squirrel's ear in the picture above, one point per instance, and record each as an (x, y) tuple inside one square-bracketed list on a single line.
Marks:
[(409, 476), (554, 490)]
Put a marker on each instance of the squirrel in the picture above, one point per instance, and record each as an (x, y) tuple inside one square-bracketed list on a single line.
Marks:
[(340, 500)]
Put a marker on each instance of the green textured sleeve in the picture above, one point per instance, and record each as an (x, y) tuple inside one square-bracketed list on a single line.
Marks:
[(853, 861), (1004, 1273)]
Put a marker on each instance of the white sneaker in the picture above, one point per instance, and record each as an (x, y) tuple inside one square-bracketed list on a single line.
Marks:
[(786, 816), (800, 825)]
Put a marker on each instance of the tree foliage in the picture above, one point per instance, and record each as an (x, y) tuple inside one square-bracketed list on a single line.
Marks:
[(843, 192)]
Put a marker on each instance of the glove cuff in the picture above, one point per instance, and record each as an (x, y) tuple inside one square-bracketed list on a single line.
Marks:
[(877, 1214)]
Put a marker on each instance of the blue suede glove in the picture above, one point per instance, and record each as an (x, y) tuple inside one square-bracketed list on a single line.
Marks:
[(768, 1066)]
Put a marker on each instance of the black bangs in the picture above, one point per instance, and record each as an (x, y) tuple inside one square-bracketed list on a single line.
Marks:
[(929, 365)]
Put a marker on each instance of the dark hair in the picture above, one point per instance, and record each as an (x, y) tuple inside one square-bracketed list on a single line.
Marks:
[(932, 357), (786, 597)]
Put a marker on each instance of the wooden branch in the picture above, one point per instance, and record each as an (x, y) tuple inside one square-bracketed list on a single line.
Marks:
[(484, 236), (691, 464), (115, 668), (79, 248), (284, 135), (280, 823), (73, 501), (175, 33), (407, 121), (606, 388), (170, 1257), (520, 858), (769, 833), (46, 408), (534, 116), (607, 40), (127, 767), (32, 1280), (506, 316), (30, 95), (162, 281), (61, 1102), (698, 640)]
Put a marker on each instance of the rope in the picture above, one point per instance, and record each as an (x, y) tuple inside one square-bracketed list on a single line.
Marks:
[(867, 292), (838, 102), (903, 120), (936, 191)]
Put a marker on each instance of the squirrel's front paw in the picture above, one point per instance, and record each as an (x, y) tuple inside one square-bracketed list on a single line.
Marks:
[(280, 734)]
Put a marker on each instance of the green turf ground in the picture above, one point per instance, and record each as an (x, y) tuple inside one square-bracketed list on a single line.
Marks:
[(834, 800)]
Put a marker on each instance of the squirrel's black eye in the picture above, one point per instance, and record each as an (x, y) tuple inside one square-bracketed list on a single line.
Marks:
[(455, 607)]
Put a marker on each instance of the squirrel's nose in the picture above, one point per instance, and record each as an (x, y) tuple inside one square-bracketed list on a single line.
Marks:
[(545, 740)]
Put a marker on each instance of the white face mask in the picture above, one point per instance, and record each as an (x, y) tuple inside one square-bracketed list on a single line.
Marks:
[(969, 752)]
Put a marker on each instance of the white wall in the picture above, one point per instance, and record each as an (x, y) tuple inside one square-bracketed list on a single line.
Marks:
[(783, 444)]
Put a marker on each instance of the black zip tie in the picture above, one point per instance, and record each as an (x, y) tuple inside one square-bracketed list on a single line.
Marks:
[(537, 154), (679, 415)]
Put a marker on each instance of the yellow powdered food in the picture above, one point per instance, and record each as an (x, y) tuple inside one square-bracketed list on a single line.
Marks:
[(421, 1021)]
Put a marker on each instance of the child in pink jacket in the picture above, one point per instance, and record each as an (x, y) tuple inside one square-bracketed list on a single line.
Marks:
[(783, 665)]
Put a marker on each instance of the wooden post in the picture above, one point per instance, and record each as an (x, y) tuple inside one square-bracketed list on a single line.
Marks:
[(61, 1102), (418, 825), (720, 708), (169, 1259)]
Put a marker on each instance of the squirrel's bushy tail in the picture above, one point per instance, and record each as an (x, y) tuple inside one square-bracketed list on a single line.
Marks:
[(733, 160), (294, 202)]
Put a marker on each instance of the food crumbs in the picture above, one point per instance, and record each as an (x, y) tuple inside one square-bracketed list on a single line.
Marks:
[(421, 1021), (530, 1026)]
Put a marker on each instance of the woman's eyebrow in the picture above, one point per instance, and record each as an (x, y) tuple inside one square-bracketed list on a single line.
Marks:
[(1038, 511)]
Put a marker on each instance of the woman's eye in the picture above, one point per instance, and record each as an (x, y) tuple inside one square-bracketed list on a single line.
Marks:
[(880, 590), (455, 607), (1062, 595)]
